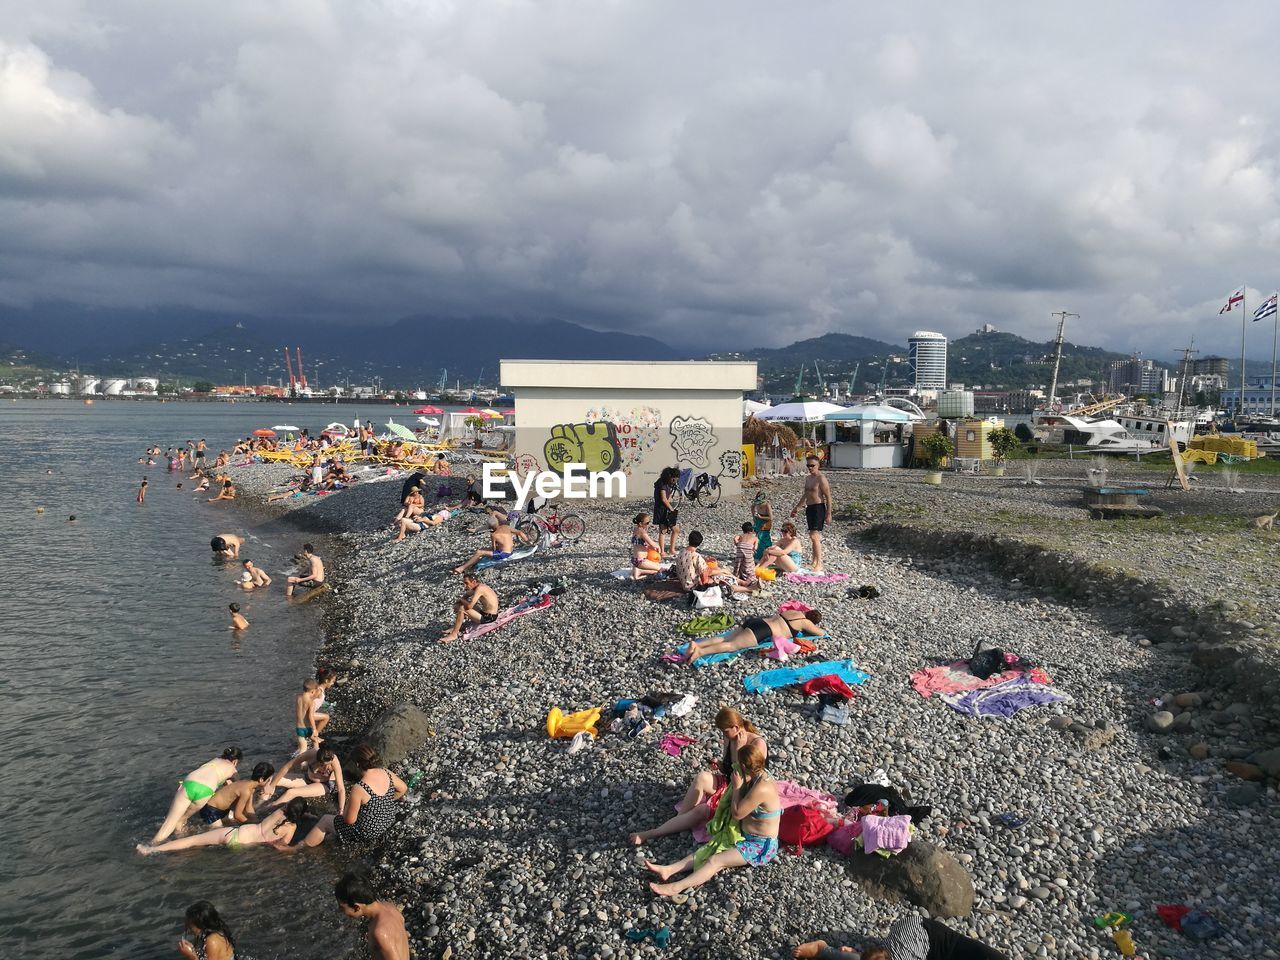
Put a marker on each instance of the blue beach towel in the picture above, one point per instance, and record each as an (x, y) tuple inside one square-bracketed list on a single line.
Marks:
[(786, 676)]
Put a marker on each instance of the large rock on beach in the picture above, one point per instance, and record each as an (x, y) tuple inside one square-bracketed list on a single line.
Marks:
[(922, 874), (397, 732), (1160, 722)]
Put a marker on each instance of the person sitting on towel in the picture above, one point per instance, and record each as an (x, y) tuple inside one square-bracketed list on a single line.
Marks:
[(691, 566), (758, 810), (701, 799), (757, 630), (910, 938), (502, 540), (478, 604)]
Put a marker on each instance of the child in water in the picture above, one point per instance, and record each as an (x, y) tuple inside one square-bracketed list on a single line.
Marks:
[(238, 622), (142, 491)]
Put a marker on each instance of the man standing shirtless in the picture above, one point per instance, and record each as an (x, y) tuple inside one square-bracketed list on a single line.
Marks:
[(387, 937), (478, 604), (816, 501), (312, 576)]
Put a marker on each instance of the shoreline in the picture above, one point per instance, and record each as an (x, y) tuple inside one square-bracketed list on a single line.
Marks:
[(514, 847)]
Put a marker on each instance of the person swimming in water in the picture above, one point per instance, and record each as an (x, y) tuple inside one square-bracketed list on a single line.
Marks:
[(238, 622), (142, 491)]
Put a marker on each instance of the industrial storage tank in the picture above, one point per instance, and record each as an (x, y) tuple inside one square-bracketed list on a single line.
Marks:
[(146, 384), (954, 404), (62, 389), (114, 387), (87, 385)]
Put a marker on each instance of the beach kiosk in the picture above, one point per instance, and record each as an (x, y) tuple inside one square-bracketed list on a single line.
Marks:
[(634, 416), (868, 437)]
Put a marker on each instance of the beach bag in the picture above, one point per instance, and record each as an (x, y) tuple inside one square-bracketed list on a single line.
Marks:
[(842, 838), (708, 599), (983, 663), (801, 826)]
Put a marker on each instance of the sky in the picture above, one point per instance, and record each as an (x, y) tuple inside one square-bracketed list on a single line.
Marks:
[(719, 175)]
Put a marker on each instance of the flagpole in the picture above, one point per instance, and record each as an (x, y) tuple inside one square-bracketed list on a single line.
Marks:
[(1275, 329), (1244, 328)]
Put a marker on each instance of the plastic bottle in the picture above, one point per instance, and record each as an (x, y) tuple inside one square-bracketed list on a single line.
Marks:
[(1124, 942)]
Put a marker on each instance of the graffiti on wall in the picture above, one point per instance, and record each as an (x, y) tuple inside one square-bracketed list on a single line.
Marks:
[(692, 439), (593, 444), (637, 431), (731, 463)]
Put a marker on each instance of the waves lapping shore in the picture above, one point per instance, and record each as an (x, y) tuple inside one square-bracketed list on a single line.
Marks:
[(511, 847)]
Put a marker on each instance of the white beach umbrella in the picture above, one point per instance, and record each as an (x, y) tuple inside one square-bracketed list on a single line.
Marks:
[(804, 411)]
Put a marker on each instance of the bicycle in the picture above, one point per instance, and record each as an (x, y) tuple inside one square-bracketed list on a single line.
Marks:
[(703, 490), (567, 526)]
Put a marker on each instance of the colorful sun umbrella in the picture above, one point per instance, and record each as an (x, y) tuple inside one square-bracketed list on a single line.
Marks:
[(429, 410), (264, 433)]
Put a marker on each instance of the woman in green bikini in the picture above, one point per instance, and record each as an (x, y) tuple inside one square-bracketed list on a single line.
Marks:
[(277, 829), (196, 788)]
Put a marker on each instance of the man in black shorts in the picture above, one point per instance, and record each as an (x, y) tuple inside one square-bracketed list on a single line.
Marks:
[(478, 604), (816, 501)]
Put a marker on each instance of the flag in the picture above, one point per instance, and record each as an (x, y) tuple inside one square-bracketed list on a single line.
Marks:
[(1237, 297), (1267, 309)]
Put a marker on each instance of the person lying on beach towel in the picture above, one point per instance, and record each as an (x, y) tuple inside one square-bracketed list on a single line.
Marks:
[(745, 829), (758, 630), (502, 540), (420, 522), (477, 605), (910, 938)]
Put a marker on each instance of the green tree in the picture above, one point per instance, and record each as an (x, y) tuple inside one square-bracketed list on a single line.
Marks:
[(935, 447), (1003, 442), (203, 386)]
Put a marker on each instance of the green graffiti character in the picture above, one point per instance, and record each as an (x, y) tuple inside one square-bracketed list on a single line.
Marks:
[(592, 444)]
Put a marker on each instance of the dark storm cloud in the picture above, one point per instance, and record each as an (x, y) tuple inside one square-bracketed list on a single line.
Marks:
[(756, 171)]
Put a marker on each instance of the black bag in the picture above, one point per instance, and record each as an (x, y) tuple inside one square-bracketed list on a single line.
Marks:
[(984, 663)]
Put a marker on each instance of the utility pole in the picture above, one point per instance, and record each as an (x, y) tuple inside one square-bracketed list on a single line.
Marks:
[(1057, 353)]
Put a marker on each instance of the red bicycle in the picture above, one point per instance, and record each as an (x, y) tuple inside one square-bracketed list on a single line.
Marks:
[(568, 526)]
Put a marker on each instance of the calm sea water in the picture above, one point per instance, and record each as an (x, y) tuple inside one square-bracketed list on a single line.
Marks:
[(118, 675)]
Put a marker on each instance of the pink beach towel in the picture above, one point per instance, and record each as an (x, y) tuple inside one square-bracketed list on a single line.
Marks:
[(817, 577), (521, 609), (956, 678)]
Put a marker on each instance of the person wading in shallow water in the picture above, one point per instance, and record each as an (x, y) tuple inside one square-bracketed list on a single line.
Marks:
[(388, 939), (816, 501), (207, 936)]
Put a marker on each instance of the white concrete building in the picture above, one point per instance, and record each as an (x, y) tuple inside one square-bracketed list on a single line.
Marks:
[(927, 352), (633, 416)]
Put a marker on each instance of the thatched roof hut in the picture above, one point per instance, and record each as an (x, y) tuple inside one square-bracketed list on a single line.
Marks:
[(765, 435)]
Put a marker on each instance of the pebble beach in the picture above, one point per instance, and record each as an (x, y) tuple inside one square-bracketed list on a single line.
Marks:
[(510, 846)]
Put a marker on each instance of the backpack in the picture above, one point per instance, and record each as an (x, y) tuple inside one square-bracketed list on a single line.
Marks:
[(801, 826)]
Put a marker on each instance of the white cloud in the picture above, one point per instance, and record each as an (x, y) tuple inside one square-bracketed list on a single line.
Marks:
[(643, 164)]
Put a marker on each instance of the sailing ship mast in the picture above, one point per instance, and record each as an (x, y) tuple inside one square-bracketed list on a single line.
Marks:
[(1057, 354)]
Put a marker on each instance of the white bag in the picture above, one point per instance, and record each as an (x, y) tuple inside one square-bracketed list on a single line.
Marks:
[(708, 599)]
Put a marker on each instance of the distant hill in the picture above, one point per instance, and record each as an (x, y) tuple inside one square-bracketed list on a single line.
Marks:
[(1008, 360), (409, 353), (837, 354)]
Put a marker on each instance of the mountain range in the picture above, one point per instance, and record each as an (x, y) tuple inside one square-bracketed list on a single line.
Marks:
[(416, 351)]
